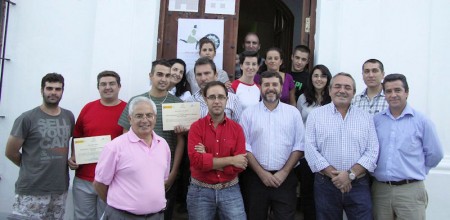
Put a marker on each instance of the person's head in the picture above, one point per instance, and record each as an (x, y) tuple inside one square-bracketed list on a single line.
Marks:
[(160, 75), (207, 48), (178, 70), (108, 85), (249, 63), (342, 89), (251, 42), (205, 71), (215, 95), (274, 59), (373, 73), (52, 88), (300, 58), (271, 85), (320, 78), (396, 90), (142, 115)]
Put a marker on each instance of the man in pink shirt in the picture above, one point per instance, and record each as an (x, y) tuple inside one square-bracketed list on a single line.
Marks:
[(132, 168)]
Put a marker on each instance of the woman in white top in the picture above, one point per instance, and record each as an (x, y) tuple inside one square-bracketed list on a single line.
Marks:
[(245, 87), (207, 49), (316, 92), (179, 86)]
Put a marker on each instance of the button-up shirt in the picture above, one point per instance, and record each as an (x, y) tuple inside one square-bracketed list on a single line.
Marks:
[(227, 139), (271, 136), (135, 173), (376, 105), (409, 146), (233, 108), (340, 142)]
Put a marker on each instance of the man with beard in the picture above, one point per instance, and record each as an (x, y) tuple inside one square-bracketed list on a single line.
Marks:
[(43, 134), (216, 150), (341, 146), (97, 118), (132, 168), (274, 143), (160, 76)]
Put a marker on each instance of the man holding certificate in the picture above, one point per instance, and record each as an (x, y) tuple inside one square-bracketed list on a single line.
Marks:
[(216, 149), (160, 77), (132, 168), (96, 119)]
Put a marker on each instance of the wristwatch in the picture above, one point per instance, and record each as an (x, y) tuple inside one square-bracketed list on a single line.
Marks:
[(351, 175)]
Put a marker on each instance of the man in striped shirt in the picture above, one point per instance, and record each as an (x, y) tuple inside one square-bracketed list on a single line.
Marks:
[(341, 146), (275, 142)]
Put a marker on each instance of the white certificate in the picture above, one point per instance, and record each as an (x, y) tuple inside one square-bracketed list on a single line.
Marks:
[(88, 149), (183, 114)]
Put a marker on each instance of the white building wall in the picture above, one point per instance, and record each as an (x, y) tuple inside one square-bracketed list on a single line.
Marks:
[(79, 39), (410, 37)]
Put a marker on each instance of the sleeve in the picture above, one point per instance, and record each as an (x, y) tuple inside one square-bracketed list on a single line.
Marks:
[(245, 125), (237, 110), (106, 165), (169, 158), (78, 129), (432, 147), (223, 76), (290, 81), (370, 156), (299, 141), (21, 126), (204, 161), (240, 149), (315, 160), (234, 85), (123, 120)]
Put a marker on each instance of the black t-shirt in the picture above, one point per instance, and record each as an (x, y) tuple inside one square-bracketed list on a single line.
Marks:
[(300, 82)]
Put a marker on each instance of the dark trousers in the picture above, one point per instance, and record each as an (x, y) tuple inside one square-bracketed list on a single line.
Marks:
[(259, 198), (171, 197), (306, 178), (114, 214)]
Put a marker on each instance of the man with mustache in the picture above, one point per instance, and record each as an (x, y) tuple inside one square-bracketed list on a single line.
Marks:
[(341, 147), (160, 76), (372, 99), (42, 134), (409, 148), (133, 168), (274, 136)]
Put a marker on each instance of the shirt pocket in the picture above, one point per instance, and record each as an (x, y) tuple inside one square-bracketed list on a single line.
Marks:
[(228, 147)]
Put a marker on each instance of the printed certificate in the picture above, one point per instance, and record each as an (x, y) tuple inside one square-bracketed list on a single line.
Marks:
[(88, 149), (183, 114)]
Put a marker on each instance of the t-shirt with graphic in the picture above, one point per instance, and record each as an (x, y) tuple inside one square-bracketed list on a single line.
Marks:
[(249, 94), (300, 82), (43, 168)]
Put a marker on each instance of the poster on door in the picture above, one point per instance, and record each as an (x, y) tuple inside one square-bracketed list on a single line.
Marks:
[(190, 31)]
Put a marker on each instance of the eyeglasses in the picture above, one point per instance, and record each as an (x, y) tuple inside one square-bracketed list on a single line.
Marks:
[(219, 97), (142, 116)]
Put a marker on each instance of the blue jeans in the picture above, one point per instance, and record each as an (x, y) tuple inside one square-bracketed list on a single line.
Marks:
[(203, 203), (330, 202)]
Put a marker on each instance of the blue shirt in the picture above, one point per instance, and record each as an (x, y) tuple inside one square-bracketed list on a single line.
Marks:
[(340, 142), (409, 146), (271, 136)]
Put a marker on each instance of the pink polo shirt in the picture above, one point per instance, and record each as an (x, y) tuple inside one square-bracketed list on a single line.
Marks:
[(135, 173)]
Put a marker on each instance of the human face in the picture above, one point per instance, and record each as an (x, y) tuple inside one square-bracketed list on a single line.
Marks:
[(204, 74), (207, 50), (250, 66), (177, 71), (160, 78), (342, 91), (319, 80), (52, 93), (270, 89), (372, 75), (142, 119), (396, 95), (216, 100), (273, 60), (251, 43), (108, 88), (299, 61)]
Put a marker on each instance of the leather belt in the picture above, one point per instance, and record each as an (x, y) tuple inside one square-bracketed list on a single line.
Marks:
[(215, 186), (398, 183)]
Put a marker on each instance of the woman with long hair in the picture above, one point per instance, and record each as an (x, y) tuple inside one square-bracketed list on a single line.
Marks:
[(179, 86)]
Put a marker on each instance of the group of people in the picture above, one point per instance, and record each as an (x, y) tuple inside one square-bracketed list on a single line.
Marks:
[(258, 136)]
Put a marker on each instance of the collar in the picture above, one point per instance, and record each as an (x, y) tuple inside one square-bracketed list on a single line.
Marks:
[(335, 111), (406, 111), (209, 118), (267, 109), (134, 138), (364, 93)]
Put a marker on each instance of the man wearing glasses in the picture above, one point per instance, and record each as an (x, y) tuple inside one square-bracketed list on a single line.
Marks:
[(216, 149), (133, 168)]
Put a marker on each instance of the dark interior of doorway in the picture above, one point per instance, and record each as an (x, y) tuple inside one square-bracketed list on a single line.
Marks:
[(277, 23)]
